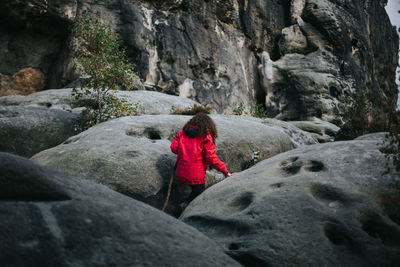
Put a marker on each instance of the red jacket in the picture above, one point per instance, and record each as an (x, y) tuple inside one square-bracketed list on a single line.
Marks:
[(194, 156)]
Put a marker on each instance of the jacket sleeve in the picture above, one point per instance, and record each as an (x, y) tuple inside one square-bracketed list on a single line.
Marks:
[(175, 145), (211, 157)]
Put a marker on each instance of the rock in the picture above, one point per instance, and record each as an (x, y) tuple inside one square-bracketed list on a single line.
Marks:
[(321, 131), (298, 137), (132, 154), (52, 219), (26, 131), (194, 55), (292, 83), (296, 9), (374, 136), (25, 81), (324, 53), (53, 99), (293, 41), (263, 21), (327, 74), (33, 36), (322, 205), (147, 102), (239, 136), (156, 103)]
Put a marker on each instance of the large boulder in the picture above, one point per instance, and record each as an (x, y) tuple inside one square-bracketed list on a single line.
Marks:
[(131, 154), (147, 102), (323, 205), (28, 130), (51, 219)]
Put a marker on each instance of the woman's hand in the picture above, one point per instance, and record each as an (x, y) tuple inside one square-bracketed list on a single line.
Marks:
[(228, 175)]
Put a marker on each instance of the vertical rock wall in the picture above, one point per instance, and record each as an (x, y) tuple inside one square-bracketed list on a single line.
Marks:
[(301, 58), (32, 34), (333, 54)]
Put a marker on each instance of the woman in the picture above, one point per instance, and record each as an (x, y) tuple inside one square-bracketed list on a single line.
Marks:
[(195, 148)]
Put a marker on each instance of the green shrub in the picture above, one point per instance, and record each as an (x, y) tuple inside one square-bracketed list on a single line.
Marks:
[(113, 107), (256, 110), (100, 56), (239, 110)]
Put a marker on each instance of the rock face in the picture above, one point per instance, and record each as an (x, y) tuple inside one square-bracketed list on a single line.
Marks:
[(131, 154), (325, 62), (321, 205), (28, 130), (303, 59), (148, 102), (34, 34), (52, 219), (25, 81)]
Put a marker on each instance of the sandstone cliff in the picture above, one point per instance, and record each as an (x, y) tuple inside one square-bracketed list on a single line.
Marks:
[(303, 59)]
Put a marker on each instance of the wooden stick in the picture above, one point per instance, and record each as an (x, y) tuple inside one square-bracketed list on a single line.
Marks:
[(169, 187)]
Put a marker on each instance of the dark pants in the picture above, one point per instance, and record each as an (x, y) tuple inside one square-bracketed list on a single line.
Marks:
[(196, 190)]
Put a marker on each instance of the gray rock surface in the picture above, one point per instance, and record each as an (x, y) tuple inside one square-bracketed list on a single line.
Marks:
[(131, 154), (51, 219), (174, 46), (33, 36), (26, 131), (154, 103), (374, 136), (320, 205), (325, 62), (323, 53), (53, 98), (148, 102), (321, 131)]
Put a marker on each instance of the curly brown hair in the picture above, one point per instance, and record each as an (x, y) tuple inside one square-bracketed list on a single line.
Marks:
[(203, 124)]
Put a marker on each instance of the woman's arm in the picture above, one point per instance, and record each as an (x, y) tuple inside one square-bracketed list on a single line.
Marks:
[(175, 144), (211, 157)]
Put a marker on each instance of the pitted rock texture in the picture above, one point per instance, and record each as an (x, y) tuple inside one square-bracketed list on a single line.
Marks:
[(53, 219), (132, 154), (321, 205), (302, 59), (52, 99), (26, 131)]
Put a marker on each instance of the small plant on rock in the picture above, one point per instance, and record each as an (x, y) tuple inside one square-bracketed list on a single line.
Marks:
[(239, 110), (258, 111), (113, 107), (100, 56)]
